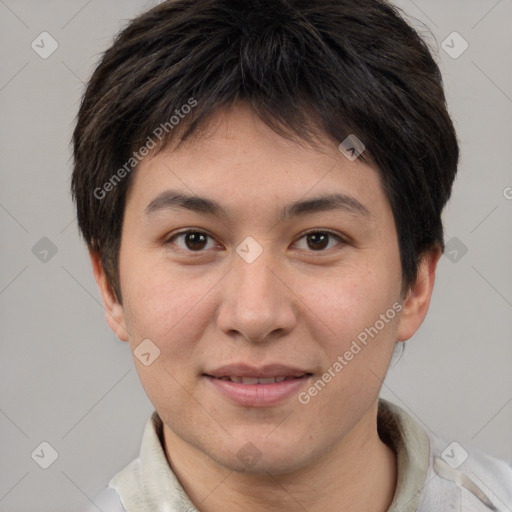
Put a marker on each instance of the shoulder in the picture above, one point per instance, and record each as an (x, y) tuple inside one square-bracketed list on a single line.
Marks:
[(465, 475), (107, 500), (447, 476)]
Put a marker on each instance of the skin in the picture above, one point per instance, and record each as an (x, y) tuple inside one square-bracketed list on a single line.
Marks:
[(295, 304)]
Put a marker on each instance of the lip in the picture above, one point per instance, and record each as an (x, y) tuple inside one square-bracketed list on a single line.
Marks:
[(257, 395), (245, 370)]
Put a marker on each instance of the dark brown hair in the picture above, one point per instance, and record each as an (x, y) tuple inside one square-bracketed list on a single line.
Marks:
[(306, 67)]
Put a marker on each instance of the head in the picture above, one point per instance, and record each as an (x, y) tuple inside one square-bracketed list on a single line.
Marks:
[(225, 118)]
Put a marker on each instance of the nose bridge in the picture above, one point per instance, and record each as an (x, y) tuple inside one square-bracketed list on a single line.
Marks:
[(254, 281), (255, 303)]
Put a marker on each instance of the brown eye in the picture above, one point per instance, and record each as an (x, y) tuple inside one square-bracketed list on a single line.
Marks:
[(319, 241), (194, 241)]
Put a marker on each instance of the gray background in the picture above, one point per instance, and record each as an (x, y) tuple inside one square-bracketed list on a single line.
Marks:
[(67, 380)]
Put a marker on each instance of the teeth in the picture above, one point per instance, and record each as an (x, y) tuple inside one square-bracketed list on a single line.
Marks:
[(267, 380), (258, 380), (250, 380)]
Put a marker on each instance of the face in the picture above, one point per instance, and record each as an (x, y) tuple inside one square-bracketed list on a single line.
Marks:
[(288, 267)]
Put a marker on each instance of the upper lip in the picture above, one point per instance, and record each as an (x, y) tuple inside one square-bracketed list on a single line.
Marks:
[(245, 370)]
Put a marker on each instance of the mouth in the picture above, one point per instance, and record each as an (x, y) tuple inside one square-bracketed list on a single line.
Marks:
[(256, 387), (259, 380)]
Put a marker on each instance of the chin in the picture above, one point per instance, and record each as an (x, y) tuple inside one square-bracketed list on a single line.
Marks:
[(260, 455)]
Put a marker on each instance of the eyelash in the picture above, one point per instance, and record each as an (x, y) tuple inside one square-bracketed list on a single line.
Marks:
[(202, 251)]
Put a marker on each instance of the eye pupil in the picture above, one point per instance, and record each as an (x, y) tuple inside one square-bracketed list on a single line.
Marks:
[(319, 240), (195, 241)]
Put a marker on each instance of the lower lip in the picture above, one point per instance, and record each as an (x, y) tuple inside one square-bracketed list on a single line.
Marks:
[(258, 395)]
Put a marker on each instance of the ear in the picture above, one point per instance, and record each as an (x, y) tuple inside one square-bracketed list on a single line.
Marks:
[(417, 299), (114, 311)]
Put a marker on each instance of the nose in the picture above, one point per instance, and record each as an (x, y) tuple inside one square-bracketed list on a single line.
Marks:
[(257, 302)]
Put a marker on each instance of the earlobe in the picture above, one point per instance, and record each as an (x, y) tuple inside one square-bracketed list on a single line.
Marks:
[(417, 299), (114, 311)]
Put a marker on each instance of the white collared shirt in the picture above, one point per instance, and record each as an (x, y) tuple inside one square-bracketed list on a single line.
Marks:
[(433, 476)]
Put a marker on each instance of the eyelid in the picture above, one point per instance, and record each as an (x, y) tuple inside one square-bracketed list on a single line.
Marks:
[(320, 230)]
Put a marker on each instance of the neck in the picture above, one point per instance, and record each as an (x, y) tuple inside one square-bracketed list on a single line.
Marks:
[(359, 474)]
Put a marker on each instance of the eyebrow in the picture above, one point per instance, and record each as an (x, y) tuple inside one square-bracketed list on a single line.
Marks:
[(172, 200)]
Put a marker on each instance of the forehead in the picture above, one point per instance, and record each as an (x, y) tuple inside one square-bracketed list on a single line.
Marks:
[(240, 162)]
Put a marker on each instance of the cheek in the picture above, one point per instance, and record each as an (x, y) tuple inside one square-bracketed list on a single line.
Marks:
[(359, 312), (172, 310), (356, 352), (350, 300), (169, 306)]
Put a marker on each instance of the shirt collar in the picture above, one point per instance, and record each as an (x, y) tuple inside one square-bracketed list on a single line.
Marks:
[(149, 483), (411, 446)]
